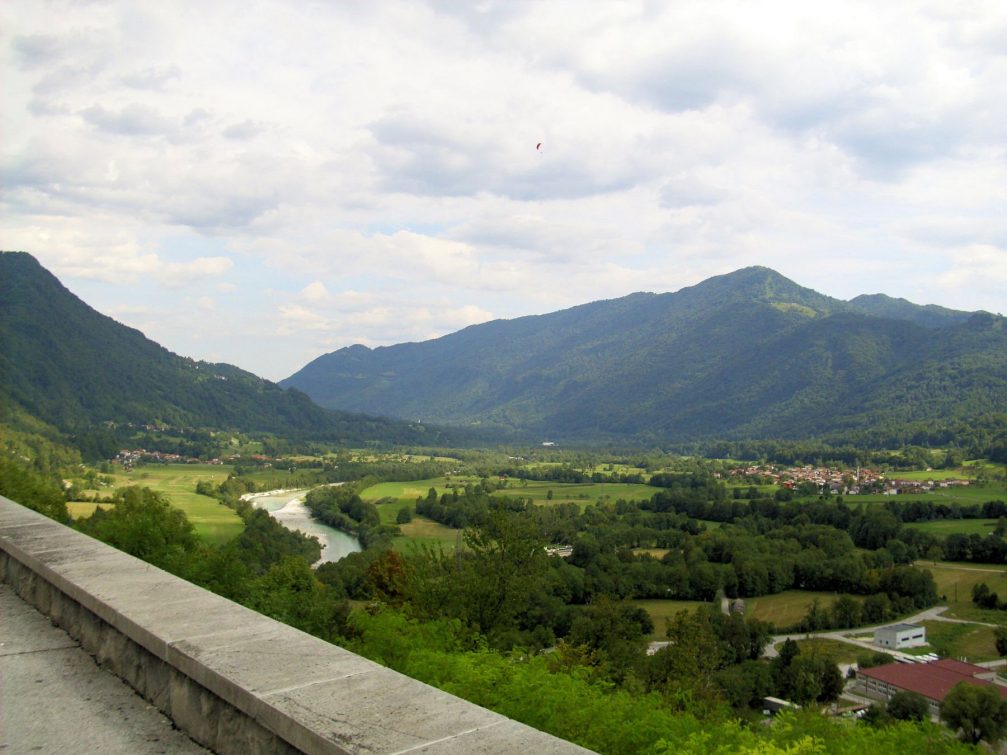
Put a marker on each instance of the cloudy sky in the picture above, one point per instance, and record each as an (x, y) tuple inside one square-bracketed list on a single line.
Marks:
[(260, 183)]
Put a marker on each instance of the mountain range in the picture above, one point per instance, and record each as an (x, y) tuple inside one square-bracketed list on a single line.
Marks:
[(750, 354), (72, 368), (746, 355)]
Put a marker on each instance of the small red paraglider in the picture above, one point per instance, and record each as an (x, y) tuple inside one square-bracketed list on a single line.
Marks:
[(538, 147)]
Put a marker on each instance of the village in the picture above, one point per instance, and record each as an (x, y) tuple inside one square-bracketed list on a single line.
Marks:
[(848, 481), (130, 458)]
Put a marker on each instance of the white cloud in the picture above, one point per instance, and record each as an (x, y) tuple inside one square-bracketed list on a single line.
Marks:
[(368, 171), (977, 278), (315, 292)]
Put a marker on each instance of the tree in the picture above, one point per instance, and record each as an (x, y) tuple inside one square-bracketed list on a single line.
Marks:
[(876, 658), (616, 631), (404, 516), (289, 592), (788, 652), (1000, 637), (31, 489), (908, 706), (687, 663), (745, 684), (145, 525), (876, 608), (492, 583), (846, 612), (978, 712)]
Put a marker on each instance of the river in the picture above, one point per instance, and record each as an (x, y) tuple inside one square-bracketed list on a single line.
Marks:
[(287, 507)]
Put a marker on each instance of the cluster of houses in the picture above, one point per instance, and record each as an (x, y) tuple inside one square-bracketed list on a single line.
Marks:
[(841, 481), (130, 457)]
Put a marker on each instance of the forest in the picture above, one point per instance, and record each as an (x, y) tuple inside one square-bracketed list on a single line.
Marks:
[(558, 642)]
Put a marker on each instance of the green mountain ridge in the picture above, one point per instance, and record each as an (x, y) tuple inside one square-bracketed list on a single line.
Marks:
[(745, 355), (72, 367)]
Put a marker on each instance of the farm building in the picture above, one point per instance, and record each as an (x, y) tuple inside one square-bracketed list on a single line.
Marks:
[(931, 680), (900, 636)]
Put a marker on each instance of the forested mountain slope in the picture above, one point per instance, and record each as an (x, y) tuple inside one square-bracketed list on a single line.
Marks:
[(749, 354), (72, 367)]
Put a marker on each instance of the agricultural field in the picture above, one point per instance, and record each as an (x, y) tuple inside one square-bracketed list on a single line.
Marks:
[(366, 455), (986, 467), (955, 526), (271, 479), (420, 531), (662, 610), (407, 492), (954, 584), (84, 509), (974, 494), (212, 520), (562, 492), (789, 607), (932, 474), (782, 610), (616, 468), (973, 642), (579, 493), (390, 497), (657, 553), (838, 652), (425, 532)]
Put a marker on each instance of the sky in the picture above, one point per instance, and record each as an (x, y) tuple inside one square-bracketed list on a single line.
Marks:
[(261, 183)]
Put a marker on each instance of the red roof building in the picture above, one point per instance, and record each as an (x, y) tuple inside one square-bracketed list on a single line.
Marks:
[(932, 680)]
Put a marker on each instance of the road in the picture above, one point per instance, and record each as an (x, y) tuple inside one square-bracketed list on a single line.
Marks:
[(931, 614)]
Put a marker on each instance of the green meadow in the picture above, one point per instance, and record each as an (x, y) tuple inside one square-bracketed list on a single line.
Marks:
[(974, 494), (392, 496), (973, 642), (782, 610), (955, 526), (954, 585), (836, 651), (931, 474), (662, 611), (562, 492), (786, 608), (425, 532), (211, 519), (579, 493)]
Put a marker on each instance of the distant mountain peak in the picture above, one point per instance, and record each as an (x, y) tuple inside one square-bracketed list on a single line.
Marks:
[(928, 315), (746, 354)]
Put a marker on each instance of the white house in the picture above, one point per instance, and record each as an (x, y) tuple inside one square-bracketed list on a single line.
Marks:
[(899, 636)]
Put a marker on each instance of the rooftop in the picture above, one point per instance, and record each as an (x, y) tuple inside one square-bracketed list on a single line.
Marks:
[(933, 680), (901, 627)]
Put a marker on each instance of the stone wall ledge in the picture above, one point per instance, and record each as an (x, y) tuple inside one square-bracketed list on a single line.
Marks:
[(232, 679)]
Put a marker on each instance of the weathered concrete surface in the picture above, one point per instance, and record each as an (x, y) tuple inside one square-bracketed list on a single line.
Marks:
[(232, 679), (53, 698)]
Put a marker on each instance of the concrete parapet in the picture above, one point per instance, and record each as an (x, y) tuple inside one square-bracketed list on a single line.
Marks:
[(232, 679)]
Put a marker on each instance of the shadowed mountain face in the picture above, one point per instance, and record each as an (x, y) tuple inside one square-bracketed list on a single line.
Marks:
[(72, 367), (749, 354)]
